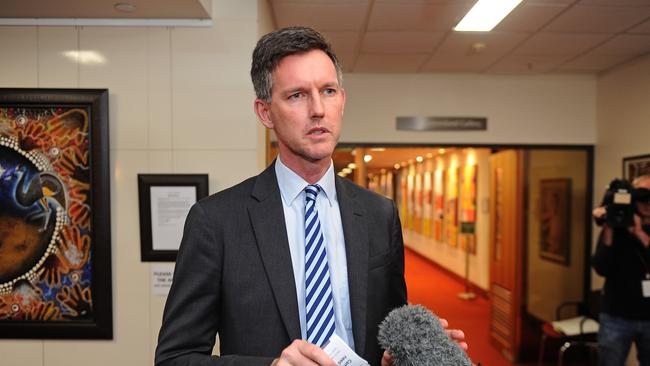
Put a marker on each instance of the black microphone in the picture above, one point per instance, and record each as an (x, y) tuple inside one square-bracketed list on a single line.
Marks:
[(414, 337)]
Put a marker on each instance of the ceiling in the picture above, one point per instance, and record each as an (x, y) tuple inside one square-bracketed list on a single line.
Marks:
[(414, 36)]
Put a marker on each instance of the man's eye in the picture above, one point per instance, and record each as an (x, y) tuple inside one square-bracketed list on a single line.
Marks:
[(329, 91), (295, 96)]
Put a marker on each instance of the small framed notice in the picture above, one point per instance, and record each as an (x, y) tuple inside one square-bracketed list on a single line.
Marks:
[(165, 200)]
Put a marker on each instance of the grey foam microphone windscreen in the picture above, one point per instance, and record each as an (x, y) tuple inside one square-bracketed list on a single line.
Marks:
[(414, 337)]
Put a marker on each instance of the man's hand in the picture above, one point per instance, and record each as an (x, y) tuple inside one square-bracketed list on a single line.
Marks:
[(608, 233), (456, 335), (637, 230), (301, 352)]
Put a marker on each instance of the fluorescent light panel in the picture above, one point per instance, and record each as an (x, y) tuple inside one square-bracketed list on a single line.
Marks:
[(485, 15)]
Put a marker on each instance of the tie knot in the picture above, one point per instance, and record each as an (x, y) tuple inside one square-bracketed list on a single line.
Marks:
[(312, 191)]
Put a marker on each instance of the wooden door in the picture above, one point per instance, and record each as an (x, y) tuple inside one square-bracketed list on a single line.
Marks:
[(507, 225)]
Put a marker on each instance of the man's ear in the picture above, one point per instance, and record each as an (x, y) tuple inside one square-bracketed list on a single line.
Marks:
[(263, 112), (343, 107)]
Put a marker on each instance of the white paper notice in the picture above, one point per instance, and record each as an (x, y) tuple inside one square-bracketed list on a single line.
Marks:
[(169, 208), (342, 354), (161, 278)]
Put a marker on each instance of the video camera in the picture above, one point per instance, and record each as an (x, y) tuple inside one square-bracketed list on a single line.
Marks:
[(620, 203)]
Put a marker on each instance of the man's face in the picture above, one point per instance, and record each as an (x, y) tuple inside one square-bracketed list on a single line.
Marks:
[(306, 108)]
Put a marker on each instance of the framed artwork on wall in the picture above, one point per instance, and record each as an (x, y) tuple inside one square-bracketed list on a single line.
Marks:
[(165, 200), (555, 220), (438, 203), (451, 207), (468, 193), (55, 229), (635, 166)]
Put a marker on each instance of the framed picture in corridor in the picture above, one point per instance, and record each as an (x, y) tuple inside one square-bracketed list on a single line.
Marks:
[(636, 166), (55, 221), (555, 219)]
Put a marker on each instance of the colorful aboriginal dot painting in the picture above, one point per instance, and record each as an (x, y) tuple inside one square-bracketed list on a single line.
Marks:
[(45, 216)]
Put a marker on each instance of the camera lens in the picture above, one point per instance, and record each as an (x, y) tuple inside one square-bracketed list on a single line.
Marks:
[(642, 195)]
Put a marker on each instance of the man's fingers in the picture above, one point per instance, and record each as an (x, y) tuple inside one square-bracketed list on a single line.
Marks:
[(463, 345), (443, 322), (386, 359), (458, 336), (304, 353)]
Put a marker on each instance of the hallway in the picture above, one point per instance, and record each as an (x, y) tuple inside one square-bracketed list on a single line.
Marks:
[(435, 289)]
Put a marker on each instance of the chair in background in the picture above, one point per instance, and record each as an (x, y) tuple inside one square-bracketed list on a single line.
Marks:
[(580, 331)]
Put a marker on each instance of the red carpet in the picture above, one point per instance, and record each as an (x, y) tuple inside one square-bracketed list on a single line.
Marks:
[(435, 289)]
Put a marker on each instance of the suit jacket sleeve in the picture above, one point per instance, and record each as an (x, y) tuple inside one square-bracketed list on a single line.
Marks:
[(191, 316)]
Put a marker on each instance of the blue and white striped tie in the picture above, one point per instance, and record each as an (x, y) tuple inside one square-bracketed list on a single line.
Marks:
[(319, 303)]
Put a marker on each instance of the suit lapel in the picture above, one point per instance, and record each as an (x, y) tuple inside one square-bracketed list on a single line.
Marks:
[(355, 231), (267, 218)]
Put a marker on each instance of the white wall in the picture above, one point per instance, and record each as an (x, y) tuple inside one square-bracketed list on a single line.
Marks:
[(180, 102), (520, 109)]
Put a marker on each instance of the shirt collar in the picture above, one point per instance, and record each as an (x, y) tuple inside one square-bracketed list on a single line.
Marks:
[(292, 185)]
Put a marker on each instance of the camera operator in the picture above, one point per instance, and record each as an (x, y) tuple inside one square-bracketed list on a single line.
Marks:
[(623, 258)]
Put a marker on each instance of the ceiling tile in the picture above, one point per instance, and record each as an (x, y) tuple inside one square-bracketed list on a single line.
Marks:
[(593, 63), (643, 28), (527, 64), (559, 44), (529, 17), (321, 16), (598, 19), (413, 17), (367, 63), (471, 2), (342, 41), (344, 45), (551, 2), (401, 42), (624, 44), (616, 2), (457, 51)]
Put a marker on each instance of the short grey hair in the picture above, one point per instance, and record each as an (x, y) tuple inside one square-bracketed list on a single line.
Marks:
[(275, 46)]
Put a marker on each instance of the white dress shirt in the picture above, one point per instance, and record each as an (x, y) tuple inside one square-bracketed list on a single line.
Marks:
[(292, 188)]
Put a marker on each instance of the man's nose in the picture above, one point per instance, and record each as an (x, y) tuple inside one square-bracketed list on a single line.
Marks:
[(317, 110)]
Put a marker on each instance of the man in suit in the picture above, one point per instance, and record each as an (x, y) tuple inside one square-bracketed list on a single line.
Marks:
[(240, 271)]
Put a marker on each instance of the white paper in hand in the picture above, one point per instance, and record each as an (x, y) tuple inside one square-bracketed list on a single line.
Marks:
[(342, 354)]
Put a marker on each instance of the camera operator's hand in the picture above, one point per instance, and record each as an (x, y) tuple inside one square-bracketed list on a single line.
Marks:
[(637, 230), (598, 212), (608, 234)]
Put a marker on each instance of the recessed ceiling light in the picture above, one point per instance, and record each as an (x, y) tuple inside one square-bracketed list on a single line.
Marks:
[(485, 15), (124, 7)]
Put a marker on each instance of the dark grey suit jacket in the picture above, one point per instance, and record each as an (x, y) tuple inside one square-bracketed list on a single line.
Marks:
[(234, 275)]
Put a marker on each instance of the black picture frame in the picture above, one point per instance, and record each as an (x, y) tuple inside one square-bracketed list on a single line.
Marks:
[(65, 136), (635, 166), (148, 252)]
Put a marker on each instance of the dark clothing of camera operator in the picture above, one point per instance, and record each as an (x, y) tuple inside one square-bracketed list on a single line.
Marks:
[(623, 258)]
